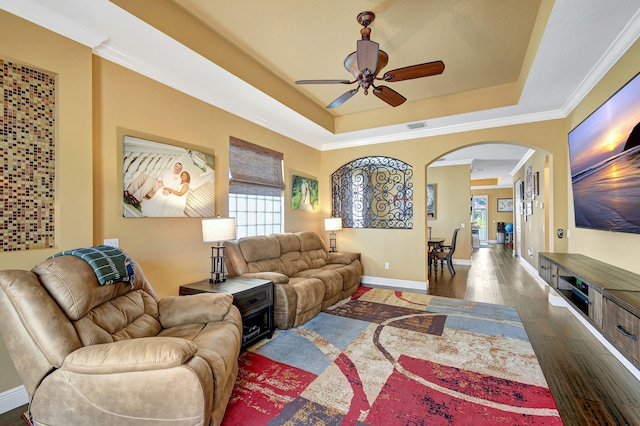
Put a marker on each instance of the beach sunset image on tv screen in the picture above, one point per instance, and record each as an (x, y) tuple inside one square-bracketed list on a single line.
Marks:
[(604, 152)]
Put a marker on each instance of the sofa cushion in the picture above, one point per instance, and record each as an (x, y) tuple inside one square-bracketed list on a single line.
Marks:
[(262, 254), (72, 283), (331, 280), (291, 256), (259, 248), (312, 249), (129, 316)]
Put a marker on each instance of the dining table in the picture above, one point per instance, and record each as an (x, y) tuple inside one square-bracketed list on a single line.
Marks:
[(434, 244)]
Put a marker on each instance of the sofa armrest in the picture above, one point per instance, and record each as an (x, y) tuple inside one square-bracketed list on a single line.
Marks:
[(345, 258), (198, 308), (275, 277), (143, 354)]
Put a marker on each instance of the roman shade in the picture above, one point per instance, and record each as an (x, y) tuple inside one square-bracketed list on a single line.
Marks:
[(253, 169)]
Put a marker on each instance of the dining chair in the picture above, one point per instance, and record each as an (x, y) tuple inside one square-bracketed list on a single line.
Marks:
[(445, 254)]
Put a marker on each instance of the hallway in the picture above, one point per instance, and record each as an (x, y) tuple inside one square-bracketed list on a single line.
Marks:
[(590, 386)]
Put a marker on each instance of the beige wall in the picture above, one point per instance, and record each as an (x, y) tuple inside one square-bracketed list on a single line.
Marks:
[(171, 250), (535, 229), (453, 202), (392, 246), (27, 44)]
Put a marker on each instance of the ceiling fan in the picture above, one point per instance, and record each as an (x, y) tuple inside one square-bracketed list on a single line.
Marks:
[(365, 64)]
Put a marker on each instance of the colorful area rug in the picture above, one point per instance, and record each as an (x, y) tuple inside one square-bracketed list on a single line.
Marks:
[(395, 358)]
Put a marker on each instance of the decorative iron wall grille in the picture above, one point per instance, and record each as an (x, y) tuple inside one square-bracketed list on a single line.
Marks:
[(373, 192)]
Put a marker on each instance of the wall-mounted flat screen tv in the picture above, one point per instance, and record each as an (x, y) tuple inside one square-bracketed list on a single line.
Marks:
[(604, 152)]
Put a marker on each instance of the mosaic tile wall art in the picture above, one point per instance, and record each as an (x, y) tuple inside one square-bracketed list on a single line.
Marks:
[(28, 158)]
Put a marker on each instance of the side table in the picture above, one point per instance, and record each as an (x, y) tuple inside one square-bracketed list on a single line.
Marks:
[(253, 298)]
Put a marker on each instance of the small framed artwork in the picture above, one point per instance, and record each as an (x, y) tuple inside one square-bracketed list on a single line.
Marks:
[(505, 204), (163, 180), (529, 207), (536, 183), (304, 193), (431, 201), (528, 178)]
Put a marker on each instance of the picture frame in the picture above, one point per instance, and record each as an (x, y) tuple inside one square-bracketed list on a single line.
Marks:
[(536, 184), (431, 201), (304, 193), (166, 180), (529, 207), (528, 179), (505, 205)]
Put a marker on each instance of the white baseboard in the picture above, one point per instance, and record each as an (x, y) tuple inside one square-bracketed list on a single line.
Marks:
[(420, 286), (13, 398)]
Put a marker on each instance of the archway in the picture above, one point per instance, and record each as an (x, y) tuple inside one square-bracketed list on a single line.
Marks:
[(477, 161)]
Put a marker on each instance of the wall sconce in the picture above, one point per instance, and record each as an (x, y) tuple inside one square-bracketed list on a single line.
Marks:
[(218, 230), (332, 224)]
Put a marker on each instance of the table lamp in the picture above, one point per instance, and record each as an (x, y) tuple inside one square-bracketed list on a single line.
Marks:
[(332, 224), (218, 230)]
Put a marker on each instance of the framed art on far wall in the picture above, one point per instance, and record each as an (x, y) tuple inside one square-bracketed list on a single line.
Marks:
[(431, 201), (528, 179), (304, 193), (505, 204), (162, 180)]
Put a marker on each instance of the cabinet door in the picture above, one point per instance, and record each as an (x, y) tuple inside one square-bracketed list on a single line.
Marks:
[(545, 269), (622, 327), (553, 280)]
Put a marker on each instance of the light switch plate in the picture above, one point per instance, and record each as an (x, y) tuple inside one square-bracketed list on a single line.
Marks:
[(112, 242)]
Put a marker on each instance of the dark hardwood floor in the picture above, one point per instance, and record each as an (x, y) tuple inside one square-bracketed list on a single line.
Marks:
[(590, 386)]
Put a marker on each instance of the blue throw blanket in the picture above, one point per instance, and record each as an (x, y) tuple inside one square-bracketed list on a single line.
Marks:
[(110, 264)]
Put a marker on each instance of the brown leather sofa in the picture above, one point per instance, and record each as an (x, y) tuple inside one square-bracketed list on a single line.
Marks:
[(115, 354), (307, 277)]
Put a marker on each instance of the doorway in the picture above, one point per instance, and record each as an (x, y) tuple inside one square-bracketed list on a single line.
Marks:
[(480, 215)]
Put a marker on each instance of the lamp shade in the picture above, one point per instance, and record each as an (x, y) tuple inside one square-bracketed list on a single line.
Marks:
[(218, 229), (333, 224)]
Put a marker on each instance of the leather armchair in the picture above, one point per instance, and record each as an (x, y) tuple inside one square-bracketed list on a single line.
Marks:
[(115, 354)]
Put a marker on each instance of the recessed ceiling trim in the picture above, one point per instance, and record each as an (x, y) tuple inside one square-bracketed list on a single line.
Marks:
[(48, 18), (626, 38), (447, 163), (522, 161)]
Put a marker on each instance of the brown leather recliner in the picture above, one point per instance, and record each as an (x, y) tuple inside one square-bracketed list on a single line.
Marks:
[(115, 354)]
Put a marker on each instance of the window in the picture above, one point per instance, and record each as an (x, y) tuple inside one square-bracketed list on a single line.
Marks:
[(256, 182), (373, 192)]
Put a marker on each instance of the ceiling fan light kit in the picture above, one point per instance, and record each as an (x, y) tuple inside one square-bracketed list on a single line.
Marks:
[(365, 64)]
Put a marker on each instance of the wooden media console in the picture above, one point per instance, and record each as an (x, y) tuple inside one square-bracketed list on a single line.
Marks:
[(607, 296)]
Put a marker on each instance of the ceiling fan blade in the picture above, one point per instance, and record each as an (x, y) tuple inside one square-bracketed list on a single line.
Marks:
[(322, 82), (414, 71), (343, 98), (388, 95), (367, 53)]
